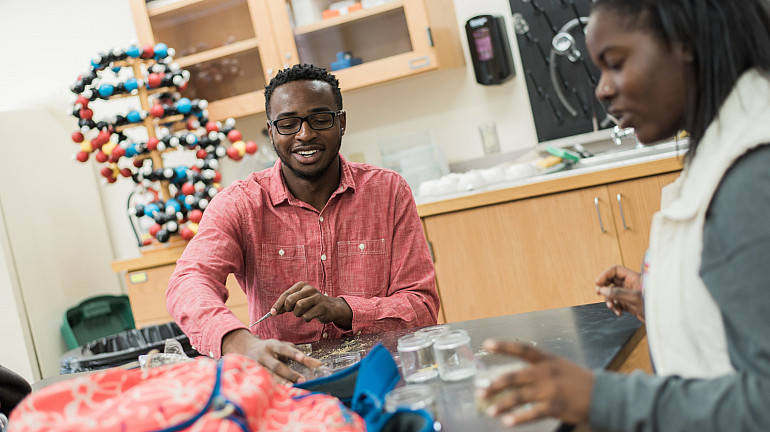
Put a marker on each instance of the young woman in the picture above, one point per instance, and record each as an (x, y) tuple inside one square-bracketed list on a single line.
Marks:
[(702, 66)]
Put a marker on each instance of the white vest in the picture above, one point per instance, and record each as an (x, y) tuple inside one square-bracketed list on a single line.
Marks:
[(684, 323)]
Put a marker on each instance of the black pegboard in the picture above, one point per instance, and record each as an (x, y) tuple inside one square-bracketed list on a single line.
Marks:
[(536, 22)]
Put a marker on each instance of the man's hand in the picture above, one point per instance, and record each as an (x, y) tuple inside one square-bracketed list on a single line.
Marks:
[(622, 291), (270, 353), (551, 387), (308, 303)]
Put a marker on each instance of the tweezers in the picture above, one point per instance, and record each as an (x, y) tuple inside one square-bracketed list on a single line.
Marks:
[(264, 317)]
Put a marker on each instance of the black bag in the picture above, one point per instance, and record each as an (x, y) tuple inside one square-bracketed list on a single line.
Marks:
[(13, 388)]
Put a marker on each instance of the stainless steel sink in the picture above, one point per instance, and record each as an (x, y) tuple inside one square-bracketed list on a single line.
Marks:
[(634, 154)]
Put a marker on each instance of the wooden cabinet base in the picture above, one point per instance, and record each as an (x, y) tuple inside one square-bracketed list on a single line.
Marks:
[(634, 356), (147, 293), (539, 250)]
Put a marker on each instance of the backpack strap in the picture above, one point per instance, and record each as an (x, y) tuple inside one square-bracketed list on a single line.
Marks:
[(219, 406)]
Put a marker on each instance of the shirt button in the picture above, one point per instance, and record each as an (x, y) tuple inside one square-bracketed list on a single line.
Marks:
[(281, 252), (323, 257), (211, 354), (321, 218), (359, 332), (362, 246), (325, 335)]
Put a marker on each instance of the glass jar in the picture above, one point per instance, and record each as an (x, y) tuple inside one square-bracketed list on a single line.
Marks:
[(418, 363), (491, 368), (412, 397), (454, 355)]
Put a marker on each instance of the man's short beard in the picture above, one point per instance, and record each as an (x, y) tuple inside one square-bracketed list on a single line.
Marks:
[(315, 175)]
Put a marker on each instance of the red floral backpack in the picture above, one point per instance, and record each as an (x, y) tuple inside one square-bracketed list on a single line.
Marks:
[(232, 394)]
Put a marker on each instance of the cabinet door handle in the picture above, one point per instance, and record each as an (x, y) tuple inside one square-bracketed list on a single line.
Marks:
[(419, 62), (622, 216), (599, 214)]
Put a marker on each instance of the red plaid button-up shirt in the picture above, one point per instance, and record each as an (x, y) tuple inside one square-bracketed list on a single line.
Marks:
[(366, 246)]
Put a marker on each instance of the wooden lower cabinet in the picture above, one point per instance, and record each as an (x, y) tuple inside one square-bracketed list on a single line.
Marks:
[(542, 252), (633, 204), (147, 293)]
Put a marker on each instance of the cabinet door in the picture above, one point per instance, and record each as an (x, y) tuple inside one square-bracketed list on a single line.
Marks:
[(633, 204), (147, 294), (226, 45), (393, 39), (521, 256)]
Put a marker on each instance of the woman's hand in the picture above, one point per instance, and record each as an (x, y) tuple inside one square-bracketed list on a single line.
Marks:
[(551, 387), (622, 291)]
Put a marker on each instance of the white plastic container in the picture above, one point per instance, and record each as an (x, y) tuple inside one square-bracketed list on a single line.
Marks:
[(305, 12)]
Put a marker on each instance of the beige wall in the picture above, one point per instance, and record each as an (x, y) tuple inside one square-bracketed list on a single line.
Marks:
[(56, 241), (57, 233), (18, 354), (64, 228)]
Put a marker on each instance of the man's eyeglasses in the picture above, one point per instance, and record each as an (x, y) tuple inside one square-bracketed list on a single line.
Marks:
[(317, 121)]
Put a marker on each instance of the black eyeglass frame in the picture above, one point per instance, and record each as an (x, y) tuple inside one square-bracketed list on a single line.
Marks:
[(335, 115)]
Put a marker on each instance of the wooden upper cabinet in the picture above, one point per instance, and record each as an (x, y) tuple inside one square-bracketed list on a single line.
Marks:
[(226, 45), (233, 48), (398, 38)]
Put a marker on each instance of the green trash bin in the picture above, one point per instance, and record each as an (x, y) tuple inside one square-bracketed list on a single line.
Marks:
[(96, 317)]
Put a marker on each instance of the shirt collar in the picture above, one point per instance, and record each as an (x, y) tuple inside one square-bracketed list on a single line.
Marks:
[(279, 192)]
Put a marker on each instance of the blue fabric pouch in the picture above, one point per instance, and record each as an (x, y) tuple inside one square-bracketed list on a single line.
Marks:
[(363, 387)]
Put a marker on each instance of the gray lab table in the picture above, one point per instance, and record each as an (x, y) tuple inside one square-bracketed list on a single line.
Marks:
[(589, 335)]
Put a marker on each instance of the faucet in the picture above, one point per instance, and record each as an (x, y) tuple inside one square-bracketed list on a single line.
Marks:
[(618, 134)]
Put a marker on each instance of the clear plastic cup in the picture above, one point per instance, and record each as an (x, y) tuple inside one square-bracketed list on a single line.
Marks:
[(418, 363), (412, 397), (454, 355)]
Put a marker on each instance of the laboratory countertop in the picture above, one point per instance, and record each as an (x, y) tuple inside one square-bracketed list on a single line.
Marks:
[(562, 181)]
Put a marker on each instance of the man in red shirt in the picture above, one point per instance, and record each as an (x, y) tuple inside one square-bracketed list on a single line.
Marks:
[(330, 248)]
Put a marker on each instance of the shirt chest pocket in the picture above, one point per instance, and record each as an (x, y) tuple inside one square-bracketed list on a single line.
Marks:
[(281, 266), (363, 267)]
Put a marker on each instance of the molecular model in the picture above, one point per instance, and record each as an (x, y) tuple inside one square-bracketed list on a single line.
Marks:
[(177, 195)]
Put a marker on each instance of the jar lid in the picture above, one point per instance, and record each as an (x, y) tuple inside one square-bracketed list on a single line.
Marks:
[(413, 341), (433, 331), (452, 339)]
